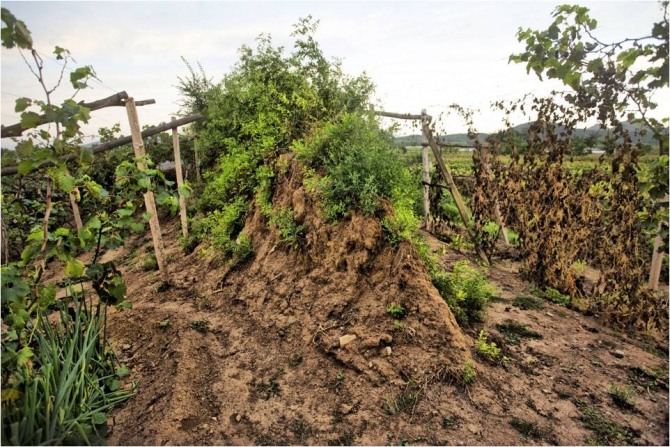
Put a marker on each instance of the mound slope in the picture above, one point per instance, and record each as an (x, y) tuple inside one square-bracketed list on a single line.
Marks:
[(286, 347)]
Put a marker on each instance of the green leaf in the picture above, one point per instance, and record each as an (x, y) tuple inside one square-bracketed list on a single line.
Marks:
[(144, 183), (25, 167), (22, 104), (23, 356), (86, 155), (99, 418), (80, 76), (122, 372), (94, 223), (60, 53), (185, 190), (30, 120), (62, 232), (74, 268), (65, 182)]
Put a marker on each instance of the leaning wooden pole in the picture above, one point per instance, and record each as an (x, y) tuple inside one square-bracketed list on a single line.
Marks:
[(149, 202), (425, 176), (483, 152), (448, 178), (180, 181)]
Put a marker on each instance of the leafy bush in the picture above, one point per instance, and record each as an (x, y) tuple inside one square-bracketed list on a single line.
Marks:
[(223, 225), (356, 166), (243, 250), (488, 350), (469, 372), (465, 290), (290, 232)]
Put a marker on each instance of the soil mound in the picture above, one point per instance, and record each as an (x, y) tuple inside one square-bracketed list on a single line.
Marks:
[(286, 347), (297, 347)]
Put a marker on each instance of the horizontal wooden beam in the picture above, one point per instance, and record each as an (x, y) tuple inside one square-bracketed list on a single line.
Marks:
[(401, 116), (10, 170), (116, 100)]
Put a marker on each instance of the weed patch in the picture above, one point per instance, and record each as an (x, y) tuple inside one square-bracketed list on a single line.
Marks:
[(515, 331), (404, 401), (396, 311), (528, 303), (489, 350), (607, 432), (621, 396), (466, 290), (526, 428)]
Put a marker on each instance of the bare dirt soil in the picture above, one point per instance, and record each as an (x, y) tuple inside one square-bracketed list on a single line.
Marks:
[(296, 347)]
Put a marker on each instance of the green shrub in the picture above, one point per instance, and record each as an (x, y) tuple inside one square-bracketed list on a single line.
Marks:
[(356, 166), (397, 311), (243, 250), (469, 372), (223, 225), (465, 290), (553, 295), (150, 263), (290, 232), (488, 350)]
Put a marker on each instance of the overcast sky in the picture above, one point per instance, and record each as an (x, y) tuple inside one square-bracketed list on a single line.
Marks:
[(418, 54)]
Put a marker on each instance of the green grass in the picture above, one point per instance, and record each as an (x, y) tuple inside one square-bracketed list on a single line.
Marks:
[(68, 391), (606, 431), (514, 331), (528, 303)]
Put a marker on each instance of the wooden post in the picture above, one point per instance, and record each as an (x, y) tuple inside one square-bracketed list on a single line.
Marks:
[(180, 181), (426, 179), (483, 151), (196, 159), (5, 243), (149, 202), (656, 258), (75, 212), (453, 189)]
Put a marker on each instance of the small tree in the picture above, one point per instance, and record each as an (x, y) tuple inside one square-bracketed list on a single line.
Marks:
[(618, 78)]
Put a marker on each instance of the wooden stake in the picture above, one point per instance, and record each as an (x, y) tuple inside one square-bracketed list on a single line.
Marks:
[(425, 174), (149, 202), (180, 181), (656, 262), (75, 212), (453, 189), (196, 159), (483, 151)]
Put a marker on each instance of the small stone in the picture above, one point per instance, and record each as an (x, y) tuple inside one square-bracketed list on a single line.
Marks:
[(126, 347), (346, 409), (546, 391), (346, 339), (618, 353), (387, 351), (473, 429), (549, 314), (214, 418), (238, 418), (386, 338), (369, 364)]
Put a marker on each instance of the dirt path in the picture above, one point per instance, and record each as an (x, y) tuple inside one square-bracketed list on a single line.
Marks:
[(212, 371)]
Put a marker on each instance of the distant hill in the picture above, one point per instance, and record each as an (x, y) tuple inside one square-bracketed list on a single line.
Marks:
[(636, 131)]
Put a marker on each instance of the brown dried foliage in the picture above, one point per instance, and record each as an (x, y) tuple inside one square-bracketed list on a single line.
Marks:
[(564, 216)]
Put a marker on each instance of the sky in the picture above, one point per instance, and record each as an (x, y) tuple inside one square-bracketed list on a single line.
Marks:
[(420, 55)]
